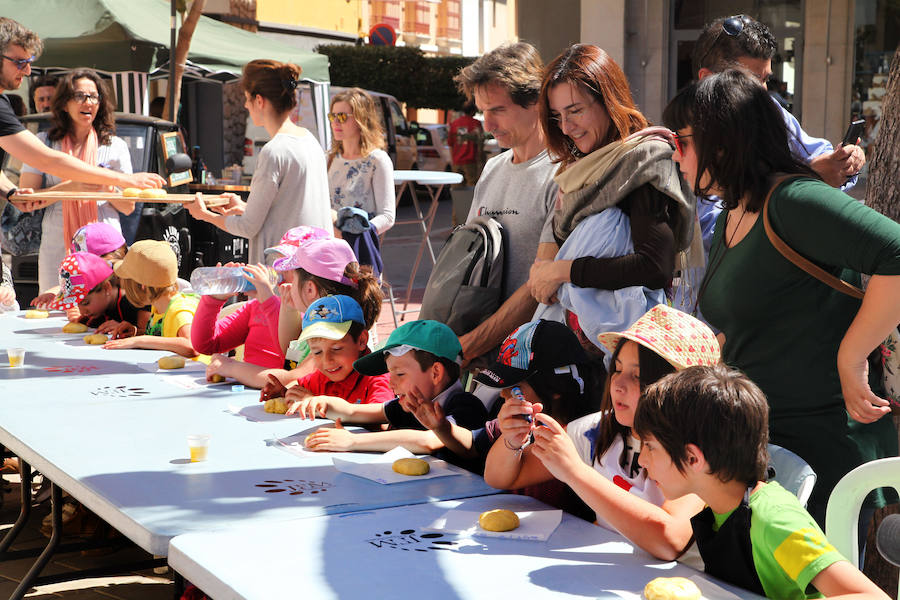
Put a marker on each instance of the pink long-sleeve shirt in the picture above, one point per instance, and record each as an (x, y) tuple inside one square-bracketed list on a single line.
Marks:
[(255, 324)]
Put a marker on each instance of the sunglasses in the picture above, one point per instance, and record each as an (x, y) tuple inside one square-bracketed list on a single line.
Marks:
[(83, 97), (677, 138), (20, 63), (732, 26), (339, 117)]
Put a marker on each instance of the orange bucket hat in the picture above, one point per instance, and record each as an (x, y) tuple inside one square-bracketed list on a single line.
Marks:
[(681, 339)]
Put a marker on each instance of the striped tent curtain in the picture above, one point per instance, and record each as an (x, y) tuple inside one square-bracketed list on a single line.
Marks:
[(132, 92)]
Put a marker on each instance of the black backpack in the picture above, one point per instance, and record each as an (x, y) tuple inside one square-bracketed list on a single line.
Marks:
[(466, 284)]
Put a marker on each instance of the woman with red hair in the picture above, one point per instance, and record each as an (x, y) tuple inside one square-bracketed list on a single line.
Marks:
[(623, 213)]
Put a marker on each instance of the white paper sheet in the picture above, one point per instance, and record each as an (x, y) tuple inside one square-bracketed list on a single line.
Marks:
[(535, 525), (379, 467)]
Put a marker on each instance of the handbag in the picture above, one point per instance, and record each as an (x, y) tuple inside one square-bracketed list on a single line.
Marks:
[(888, 351), (20, 232)]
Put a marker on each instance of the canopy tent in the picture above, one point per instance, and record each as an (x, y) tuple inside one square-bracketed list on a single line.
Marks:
[(133, 35)]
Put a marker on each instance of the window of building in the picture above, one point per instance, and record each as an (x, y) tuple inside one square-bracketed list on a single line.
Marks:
[(448, 19), (877, 35), (385, 11)]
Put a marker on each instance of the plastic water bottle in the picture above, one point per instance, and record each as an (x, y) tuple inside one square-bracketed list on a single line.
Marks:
[(209, 281)]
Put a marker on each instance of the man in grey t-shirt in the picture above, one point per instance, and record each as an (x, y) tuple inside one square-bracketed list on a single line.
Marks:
[(516, 188)]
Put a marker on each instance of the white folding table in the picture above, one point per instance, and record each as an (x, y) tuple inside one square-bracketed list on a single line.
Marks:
[(113, 435), (389, 553), (434, 182)]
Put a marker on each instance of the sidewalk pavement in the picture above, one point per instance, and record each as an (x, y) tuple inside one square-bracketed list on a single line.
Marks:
[(399, 252)]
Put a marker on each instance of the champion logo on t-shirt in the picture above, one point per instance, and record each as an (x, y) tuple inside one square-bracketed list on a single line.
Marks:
[(484, 212)]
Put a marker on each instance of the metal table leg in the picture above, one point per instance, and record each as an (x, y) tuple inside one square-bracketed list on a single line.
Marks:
[(47, 554), (24, 510), (427, 221)]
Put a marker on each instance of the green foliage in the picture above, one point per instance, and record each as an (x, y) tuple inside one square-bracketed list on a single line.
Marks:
[(404, 72)]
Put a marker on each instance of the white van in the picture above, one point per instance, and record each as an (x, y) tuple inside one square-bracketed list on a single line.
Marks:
[(400, 142)]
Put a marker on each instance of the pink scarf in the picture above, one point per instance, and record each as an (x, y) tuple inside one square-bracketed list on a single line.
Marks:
[(78, 213)]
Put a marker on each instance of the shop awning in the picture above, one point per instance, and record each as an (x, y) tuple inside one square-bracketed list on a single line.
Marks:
[(133, 35)]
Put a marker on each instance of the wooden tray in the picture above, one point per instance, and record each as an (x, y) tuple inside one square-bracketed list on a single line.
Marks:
[(210, 200)]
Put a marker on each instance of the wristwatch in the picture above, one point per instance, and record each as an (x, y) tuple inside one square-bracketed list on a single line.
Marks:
[(11, 192)]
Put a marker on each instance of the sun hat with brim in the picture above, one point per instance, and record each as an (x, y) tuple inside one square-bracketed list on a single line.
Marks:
[(151, 263), (97, 238), (327, 258), (538, 346), (681, 339), (79, 273), (331, 317), (427, 335), (295, 237)]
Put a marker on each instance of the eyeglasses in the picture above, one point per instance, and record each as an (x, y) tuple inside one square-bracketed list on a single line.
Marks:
[(339, 117), (677, 138), (83, 98), (572, 115), (732, 26), (20, 63)]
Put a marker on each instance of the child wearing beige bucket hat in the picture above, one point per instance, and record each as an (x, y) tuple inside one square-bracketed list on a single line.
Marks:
[(597, 455), (149, 276)]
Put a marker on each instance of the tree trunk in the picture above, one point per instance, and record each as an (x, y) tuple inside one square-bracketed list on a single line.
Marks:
[(182, 47), (883, 186)]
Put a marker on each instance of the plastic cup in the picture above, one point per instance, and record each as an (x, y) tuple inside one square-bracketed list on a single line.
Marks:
[(16, 356), (199, 446)]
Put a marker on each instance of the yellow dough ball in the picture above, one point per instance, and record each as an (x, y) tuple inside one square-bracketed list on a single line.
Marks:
[(171, 362), (153, 193), (671, 588), (275, 405), (95, 339), (74, 328), (131, 193), (36, 314), (498, 519), (411, 466), (216, 378)]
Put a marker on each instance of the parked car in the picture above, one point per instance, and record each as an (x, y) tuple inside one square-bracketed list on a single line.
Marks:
[(433, 151), (399, 137), (196, 243)]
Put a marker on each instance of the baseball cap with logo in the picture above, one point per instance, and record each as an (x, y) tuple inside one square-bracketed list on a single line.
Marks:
[(430, 336), (684, 341), (97, 238), (537, 346), (79, 273), (331, 317)]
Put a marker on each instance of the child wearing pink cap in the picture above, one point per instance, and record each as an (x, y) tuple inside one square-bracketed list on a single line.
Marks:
[(88, 284)]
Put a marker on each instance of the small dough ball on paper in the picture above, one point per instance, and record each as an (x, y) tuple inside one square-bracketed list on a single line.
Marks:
[(276, 406), (131, 193), (36, 314), (74, 328), (498, 519), (216, 378), (95, 339), (171, 362), (411, 466), (671, 588)]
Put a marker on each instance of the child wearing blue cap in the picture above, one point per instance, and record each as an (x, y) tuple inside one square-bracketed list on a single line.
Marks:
[(422, 358), (335, 329)]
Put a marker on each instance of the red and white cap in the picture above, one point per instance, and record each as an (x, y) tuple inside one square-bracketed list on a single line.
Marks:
[(79, 273)]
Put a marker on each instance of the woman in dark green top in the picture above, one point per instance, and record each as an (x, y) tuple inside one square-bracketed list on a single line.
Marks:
[(802, 342)]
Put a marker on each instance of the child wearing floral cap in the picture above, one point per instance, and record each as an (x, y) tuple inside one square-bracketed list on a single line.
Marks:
[(422, 358), (87, 282), (335, 329), (149, 274), (597, 455)]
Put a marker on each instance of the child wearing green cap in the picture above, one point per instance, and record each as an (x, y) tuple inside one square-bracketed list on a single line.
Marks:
[(422, 358)]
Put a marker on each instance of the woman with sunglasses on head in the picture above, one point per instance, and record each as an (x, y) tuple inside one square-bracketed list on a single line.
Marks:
[(83, 126), (360, 175), (290, 185), (804, 343), (623, 211)]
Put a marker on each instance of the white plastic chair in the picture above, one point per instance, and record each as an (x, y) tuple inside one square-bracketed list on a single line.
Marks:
[(845, 502), (792, 472)]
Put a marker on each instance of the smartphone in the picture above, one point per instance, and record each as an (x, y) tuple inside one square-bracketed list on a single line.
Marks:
[(854, 132)]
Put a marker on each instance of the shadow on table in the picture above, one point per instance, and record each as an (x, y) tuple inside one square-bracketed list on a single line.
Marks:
[(38, 365)]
